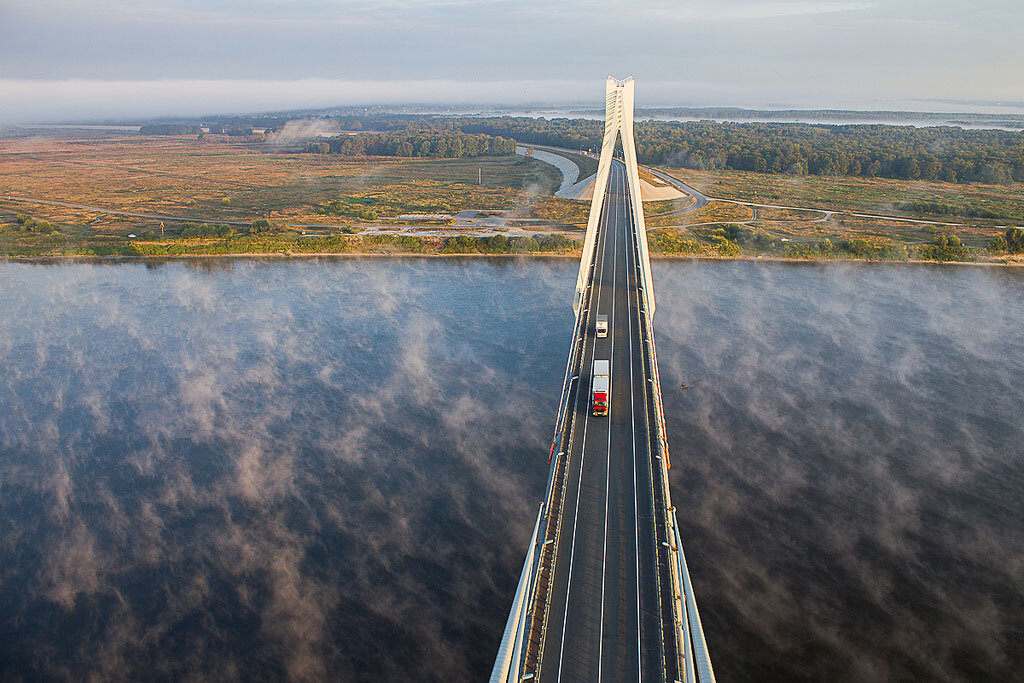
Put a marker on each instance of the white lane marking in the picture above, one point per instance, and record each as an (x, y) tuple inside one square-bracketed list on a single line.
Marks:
[(631, 253), (583, 451), (608, 461)]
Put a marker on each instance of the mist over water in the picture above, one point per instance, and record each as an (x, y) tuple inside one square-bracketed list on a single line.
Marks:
[(849, 466), (271, 470), (328, 469)]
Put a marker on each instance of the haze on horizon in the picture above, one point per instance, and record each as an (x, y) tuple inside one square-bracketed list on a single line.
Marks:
[(63, 59)]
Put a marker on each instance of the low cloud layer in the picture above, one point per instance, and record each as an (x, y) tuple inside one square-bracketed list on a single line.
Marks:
[(301, 130), (66, 59)]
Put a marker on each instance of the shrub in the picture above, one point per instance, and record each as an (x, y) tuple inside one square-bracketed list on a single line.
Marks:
[(945, 248), (207, 230), (1014, 240)]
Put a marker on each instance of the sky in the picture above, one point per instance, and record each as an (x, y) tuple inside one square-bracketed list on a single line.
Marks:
[(123, 58)]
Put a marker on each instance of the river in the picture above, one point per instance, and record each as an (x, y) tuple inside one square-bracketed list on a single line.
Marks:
[(329, 468)]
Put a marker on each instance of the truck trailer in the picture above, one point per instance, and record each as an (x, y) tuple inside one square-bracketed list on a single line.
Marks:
[(601, 387)]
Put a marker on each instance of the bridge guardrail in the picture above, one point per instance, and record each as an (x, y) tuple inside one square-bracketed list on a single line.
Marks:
[(659, 467), (526, 627), (689, 634), (528, 635), (697, 657)]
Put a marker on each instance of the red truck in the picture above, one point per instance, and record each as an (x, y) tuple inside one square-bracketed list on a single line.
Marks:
[(601, 387)]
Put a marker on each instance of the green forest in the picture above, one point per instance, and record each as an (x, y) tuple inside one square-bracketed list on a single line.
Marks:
[(943, 153), (451, 144)]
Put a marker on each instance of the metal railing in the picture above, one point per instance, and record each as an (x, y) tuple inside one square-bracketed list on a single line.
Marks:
[(691, 647), (523, 639), (522, 643)]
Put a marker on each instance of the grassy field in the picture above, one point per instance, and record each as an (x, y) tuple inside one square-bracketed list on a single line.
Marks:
[(714, 212), (902, 220), (1005, 203), (220, 179)]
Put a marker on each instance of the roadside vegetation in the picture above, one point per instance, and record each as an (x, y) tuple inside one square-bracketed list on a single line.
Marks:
[(587, 165), (213, 240)]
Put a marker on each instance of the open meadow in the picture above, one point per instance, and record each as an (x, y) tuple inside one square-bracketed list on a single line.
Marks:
[(232, 182), (837, 217), (126, 194)]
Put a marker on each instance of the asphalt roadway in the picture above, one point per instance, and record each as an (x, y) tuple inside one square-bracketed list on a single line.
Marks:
[(604, 615)]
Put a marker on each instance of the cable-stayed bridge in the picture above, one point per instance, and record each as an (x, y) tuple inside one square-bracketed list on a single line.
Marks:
[(605, 592)]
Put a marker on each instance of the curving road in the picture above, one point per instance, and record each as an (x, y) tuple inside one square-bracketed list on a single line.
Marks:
[(699, 199)]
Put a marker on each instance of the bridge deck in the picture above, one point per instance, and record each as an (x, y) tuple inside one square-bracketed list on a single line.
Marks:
[(605, 615)]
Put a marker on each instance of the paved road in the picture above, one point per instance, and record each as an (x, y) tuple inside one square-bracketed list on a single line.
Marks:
[(604, 619), (699, 199)]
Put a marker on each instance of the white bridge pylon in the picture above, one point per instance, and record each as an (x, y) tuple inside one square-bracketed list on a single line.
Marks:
[(618, 118)]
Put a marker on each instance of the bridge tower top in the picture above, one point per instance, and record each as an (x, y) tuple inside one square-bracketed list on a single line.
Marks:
[(618, 119)]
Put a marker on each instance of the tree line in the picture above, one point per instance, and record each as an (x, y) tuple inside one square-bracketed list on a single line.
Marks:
[(450, 144), (943, 153), (734, 240)]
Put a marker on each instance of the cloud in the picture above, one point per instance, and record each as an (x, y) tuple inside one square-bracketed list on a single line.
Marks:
[(29, 100), (302, 130)]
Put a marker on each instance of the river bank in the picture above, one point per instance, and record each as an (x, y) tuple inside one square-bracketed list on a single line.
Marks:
[(1010, 261)]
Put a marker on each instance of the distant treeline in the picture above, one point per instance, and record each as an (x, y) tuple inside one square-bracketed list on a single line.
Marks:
[(170, 129), (416, 143), (905, 152), (945, 153), (826, 115)]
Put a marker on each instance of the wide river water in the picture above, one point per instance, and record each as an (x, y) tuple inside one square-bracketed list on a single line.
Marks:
[(328, 469)]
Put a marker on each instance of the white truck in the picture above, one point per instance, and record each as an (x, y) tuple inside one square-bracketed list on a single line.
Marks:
[(602, 326), (601, 387)]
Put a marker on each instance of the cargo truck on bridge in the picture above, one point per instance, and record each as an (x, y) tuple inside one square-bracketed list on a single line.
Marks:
[(601, 387)]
